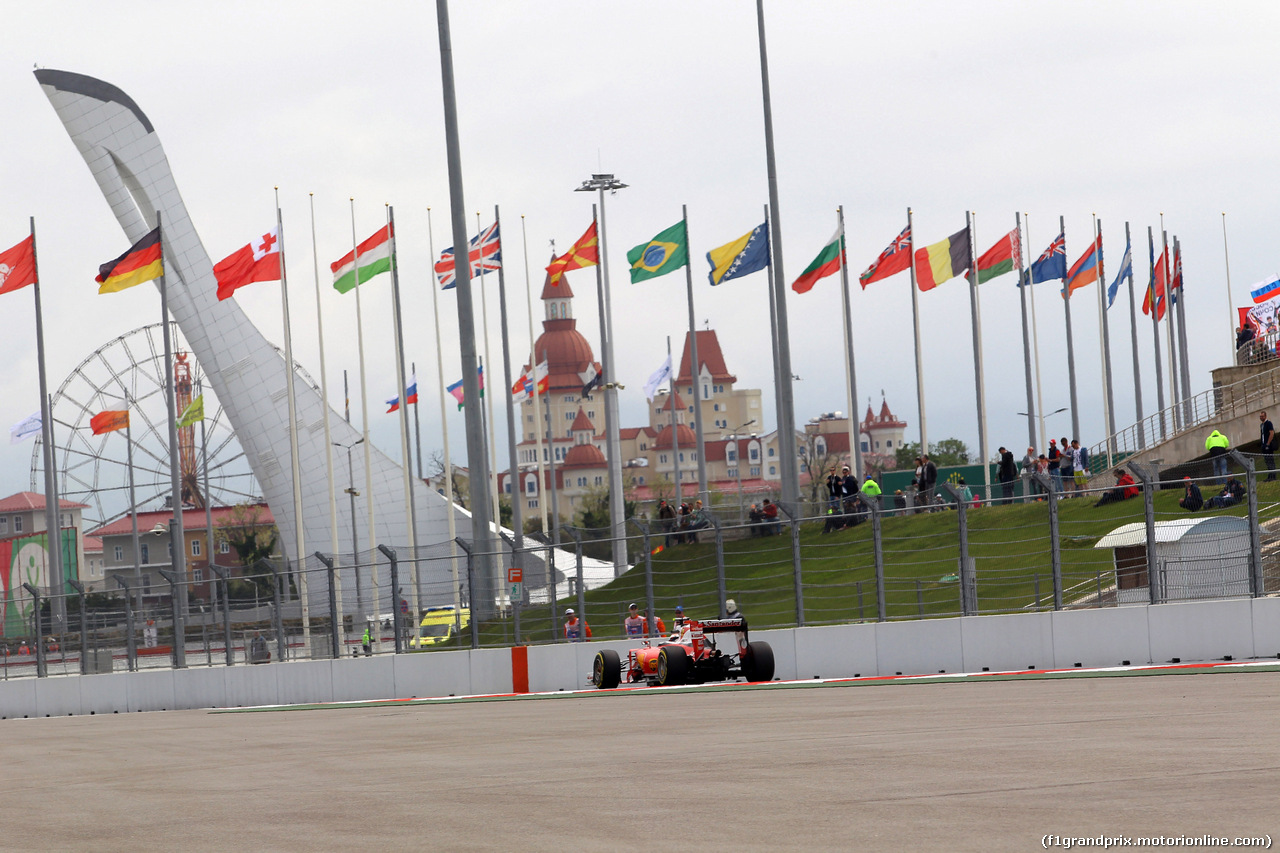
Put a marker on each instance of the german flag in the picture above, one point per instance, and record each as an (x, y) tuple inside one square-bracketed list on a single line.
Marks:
[(109, 421), (143, 262)]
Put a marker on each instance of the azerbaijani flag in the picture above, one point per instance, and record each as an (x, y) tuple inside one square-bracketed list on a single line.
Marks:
[(1084, 271), (942, 261), (109, 421), (143, 262), (410, 394), (827, 263), (1000, 258), (374, 258)]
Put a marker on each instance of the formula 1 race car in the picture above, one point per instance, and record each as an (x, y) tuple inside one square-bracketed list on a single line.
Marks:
[(689, 657)]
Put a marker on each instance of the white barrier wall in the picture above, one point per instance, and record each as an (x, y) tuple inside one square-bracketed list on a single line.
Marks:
[(1194, 631)]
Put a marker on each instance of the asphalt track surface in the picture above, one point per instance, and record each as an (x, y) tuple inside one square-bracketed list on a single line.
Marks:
[(956, 764)]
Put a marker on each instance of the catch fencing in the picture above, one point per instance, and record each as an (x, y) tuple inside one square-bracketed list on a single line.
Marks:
[(958, 554)]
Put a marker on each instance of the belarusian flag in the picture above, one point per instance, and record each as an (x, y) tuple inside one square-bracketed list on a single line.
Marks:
[(827, 263), (1000, 258), (375, 258)]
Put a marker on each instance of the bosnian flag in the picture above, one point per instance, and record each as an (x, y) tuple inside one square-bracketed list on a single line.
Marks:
[(258, 261), (1262, 291), (484, 254), (410, 394)]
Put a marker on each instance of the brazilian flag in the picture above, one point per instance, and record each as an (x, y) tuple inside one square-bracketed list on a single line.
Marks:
[(666, 252)]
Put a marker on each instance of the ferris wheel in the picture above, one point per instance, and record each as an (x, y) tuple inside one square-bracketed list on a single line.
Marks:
[(129, 373)]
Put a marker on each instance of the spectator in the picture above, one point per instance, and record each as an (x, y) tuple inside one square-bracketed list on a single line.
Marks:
[(930, 480), (366, 642), (900, 502), (772, 527), (1055, 463), (1232, 493), (922, 489), (1268, 445), (848, 484), (757, 520), (1006, 473), (685, 513), (1217, 445), (835, 489), (1192, 500), (633, 624), (1028, 466), (659, 629), (679, 621), (698, 519), (258, 651), (1080, 462), (575, 629), (1066, 467), (1125, 488), (667, 519), (23, 648), (871, 489)]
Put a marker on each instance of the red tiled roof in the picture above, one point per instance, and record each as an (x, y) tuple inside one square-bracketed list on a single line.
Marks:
[(684, 436), (582, 422), (584, 456), (92, 545), (192, 519), (25, 501), (666, 404), (709, 354)]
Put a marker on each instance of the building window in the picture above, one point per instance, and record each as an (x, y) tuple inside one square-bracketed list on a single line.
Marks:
[(771, 452), (530, 486), (706, 392), (641, 481), (17, 524), (224, 547), (716, 407), (533, 504), (591, 414), (197, 575), (530, 417), (755, 470), (195, 547), (568, 416), (888, 443), (146, 584), (119, 552), (733, 472), (146, 554), (863, 445), (4, 524), (681, 457), (506, 487), (553, 311), (731, 455), (170, 550), (570, 398), (772, 470), (598, 481), (755, 454), (691, 410)]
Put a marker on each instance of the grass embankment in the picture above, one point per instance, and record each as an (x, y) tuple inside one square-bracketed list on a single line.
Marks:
[(1010, 545)]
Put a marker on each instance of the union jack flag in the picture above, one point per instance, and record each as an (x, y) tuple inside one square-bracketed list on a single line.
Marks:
[(894, 259), (486, 245)]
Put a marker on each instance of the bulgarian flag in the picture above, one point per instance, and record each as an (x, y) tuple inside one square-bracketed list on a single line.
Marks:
[(827, 263), (374, 257), (1001, 258)]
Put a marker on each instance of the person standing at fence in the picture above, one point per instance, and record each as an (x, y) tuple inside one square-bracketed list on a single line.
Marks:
[(930, 479), (835, 489), (576, 629), (667, 520), (1080, 462), (1268, 445), (1066, 467), (1007, 472), (1217, 445), (659, 629), (1055, 463), (634, 623), (366, 642)]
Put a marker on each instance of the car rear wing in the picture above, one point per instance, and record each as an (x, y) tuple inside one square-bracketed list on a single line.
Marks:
[(722, 626)]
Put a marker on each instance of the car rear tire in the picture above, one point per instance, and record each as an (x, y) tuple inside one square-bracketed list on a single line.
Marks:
[(673, 666), (757, 662), (606, 671)]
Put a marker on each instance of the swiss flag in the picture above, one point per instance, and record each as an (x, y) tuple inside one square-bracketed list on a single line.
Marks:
[(18, 266), (258, 261)]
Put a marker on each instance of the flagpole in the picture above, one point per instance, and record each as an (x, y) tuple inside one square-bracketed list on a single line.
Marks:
[(481, 532), (850, 372), (444, 419), (1155, 331), (695, 367), (1232, 315), (1035, 344), (300, 554), (1133, 330), (971, 225), (1024, 283), (1108, 398), (915, 325), (417, 425), (177, 539), (410, 506), (784, 397), (52, 525), (364, 414), (133, 511), (1171, 350), (208, 505), (1071, 350), (328, 433), (773, 309), (517, 512), (488, 398), (675, 438), (1183, 352), (533, 365)]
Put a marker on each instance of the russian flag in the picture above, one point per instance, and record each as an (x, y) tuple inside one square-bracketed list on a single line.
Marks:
[(410, 394), (1265, 290)]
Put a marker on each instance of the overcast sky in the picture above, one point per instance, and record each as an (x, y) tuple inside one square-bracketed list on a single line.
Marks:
[(1126, 110)]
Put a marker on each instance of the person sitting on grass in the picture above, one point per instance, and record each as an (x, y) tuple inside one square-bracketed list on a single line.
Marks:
[(1192, 500), (1232, 493), (1125, 488)]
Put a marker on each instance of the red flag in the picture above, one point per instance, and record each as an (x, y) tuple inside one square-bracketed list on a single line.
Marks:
[(894, 259), (18, 265), (109, 421), (1161, 278), (258, 261)]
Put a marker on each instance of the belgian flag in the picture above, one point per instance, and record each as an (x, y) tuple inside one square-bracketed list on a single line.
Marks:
[(143, 262)]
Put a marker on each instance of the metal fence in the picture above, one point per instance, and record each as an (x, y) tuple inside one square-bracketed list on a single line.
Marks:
[(956, 555)]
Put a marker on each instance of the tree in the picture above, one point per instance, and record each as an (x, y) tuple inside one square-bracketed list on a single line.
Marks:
[(461, 483), (817, 465), (252, 539), (949, 452)]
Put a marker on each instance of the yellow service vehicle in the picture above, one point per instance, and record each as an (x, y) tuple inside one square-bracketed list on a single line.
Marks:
[(440, 625)]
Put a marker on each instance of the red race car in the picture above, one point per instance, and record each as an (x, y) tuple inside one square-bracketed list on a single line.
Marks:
[(689, 657)]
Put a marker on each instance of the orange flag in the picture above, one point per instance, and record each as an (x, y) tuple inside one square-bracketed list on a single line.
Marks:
[(584, 253), (109, 421), (18, 266)]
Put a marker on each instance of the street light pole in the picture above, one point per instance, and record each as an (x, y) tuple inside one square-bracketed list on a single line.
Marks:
[(355, 534), (617, 502), (737, 463)]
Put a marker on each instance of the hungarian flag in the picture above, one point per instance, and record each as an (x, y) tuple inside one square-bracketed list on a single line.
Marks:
[(256, 261), (143, 262), (894, 259), (1003, 257), (109, 421), (666, 252), (942, 261), (18, 265), (827, 263), (374, 258), (584, 253), (410, 395)]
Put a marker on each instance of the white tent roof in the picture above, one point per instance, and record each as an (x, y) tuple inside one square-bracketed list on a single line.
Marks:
[(1172, 531)]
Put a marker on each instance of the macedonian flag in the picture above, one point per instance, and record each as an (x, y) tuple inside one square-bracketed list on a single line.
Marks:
[(143, 262), (584, 253)]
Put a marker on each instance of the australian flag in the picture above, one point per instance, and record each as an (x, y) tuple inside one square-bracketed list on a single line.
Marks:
[(485, 251), (1052, 265)]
